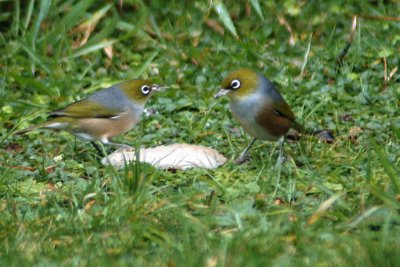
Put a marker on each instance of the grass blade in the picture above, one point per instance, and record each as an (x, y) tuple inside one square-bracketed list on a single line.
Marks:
[(35, 58), (137, 73), (16, 18), (390, 170), (323, 208), (29, 12), (92, 48), (155, 27), (44, 9), (105, 32), (396, 132), (365, 215), (388, 199), (257, 8), (97, 16), (225, 18), (75, 15), (39, 87)]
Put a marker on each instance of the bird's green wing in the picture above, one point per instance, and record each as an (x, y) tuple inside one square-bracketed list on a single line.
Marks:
[(283, 109), (86, 109)]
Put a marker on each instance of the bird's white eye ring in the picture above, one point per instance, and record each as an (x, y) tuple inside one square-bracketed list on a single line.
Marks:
[(235, 84), (145, 89)]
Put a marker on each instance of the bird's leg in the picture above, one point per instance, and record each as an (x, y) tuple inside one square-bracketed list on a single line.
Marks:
[(100, 151), (278, 167), (280, 157), (243, 156)]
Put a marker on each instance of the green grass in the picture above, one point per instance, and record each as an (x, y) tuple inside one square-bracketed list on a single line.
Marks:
[(331, 205)]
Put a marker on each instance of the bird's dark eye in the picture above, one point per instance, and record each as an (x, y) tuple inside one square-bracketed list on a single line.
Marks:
[(235, 84), (145, 89)]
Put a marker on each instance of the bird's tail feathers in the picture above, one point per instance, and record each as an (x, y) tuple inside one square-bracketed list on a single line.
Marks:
[(52, 124), (325, 135), (34, 127), (298, 127)]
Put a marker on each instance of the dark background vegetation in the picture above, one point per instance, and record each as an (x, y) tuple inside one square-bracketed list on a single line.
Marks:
[(329, 205)]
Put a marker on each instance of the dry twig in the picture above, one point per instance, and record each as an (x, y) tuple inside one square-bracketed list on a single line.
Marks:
[(366, 16), (283, 21), (341, 56), (385, 78)]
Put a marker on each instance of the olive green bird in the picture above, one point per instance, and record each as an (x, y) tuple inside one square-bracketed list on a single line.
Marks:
[(257, 105), (103, 115)]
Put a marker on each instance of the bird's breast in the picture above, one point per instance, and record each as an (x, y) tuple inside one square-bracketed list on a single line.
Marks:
[(245, 111)]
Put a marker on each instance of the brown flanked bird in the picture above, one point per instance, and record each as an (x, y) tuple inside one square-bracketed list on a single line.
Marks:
[(258, 106), (104, 114)]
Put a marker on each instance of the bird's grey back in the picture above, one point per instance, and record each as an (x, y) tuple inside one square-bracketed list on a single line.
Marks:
[(270, 89), (112, 97)]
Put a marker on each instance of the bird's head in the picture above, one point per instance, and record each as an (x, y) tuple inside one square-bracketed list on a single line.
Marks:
[(239, 84), (140, 90)]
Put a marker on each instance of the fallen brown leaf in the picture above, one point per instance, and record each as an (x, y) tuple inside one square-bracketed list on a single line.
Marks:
[(346, 117), (23, 168), (212, 262), (214, 25), (283, 21), (13, 148), (50, 169), (354, 133), (108, 50), (175, 156), (325, 135), (89, 204), (279, 201)]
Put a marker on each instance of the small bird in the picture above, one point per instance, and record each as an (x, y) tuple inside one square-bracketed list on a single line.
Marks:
[(258, 106), (104, 114)]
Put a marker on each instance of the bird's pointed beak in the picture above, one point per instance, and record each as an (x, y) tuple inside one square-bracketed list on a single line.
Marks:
[(157, 87), (222, 92)]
